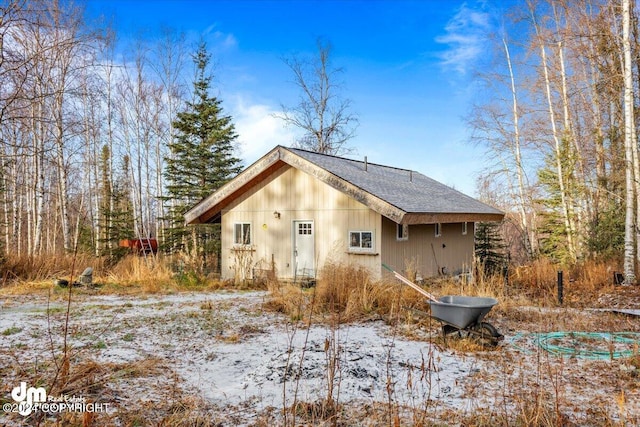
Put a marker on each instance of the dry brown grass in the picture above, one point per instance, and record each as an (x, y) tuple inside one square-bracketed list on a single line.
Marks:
[(347, 293), (35, 274), (24, 268), (537, 283), (131, 275), (527, 301), (145, 274)]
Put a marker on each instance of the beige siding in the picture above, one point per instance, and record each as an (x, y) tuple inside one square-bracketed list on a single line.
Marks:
[(425, 253), (296, 195)]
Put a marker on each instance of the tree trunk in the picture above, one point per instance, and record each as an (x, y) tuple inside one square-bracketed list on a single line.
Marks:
[(566, 211), (522, 199), (630, 220)]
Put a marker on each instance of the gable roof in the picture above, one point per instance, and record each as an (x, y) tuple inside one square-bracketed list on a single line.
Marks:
[(401, 195)]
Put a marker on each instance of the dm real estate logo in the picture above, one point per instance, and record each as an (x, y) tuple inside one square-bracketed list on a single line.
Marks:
[(28, 397)]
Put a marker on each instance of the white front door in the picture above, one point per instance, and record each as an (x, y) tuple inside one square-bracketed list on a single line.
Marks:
[(303, 249)]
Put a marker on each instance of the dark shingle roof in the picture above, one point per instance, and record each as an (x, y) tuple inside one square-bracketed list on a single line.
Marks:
[(401, 195), (407, 190)]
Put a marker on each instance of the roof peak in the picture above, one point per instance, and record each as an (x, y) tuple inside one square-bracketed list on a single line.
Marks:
[(365, 161)]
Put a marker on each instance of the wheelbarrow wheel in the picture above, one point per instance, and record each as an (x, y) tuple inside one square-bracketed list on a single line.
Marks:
[(488, 333)]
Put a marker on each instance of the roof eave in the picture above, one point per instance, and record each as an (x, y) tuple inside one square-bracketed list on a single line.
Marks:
[(445, 218), (207, 209)]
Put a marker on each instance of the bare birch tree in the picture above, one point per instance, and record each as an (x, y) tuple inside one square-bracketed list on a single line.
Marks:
[(523, 203), (168, 67), (630, 222)]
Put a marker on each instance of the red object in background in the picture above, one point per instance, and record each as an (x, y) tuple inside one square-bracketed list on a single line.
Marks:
[(140, 246)]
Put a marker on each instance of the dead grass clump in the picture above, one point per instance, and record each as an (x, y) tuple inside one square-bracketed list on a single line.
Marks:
[(465, 343), (151, 274), (327, 411), (188, 411), (349, 291), (24, 268), (536, 282), (594, 274), (155, 274), (151, 366), (178, 411), (287, 299), (337, 284), (587, 281)]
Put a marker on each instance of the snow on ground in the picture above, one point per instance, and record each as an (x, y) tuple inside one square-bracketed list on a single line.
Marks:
[(226, 348)]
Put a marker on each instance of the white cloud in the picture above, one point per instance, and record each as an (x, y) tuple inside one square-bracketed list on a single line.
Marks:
[(465, 35), (258, 130), (219, 39), (225, 41)]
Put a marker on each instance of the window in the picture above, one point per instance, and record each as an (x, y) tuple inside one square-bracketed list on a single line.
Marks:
[(438, 229), (464, 228), (305, 228), (402, 232), (242, 233), (361, 241)]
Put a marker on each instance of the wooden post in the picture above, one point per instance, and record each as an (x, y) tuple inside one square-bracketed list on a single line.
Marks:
[(560, 288)]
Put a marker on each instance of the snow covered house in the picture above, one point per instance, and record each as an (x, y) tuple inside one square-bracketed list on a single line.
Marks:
[(293, 210)]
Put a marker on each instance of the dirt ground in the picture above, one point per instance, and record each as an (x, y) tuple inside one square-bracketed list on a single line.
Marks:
[(222, 358)]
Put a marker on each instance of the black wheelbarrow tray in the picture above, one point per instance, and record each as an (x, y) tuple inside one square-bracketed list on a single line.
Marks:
[(463, 313)]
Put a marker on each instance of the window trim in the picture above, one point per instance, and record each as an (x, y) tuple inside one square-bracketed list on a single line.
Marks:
[(360, 249), (402, 232), (242, 225)]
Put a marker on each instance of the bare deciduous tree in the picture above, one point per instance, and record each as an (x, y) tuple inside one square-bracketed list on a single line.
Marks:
[(321, 114)]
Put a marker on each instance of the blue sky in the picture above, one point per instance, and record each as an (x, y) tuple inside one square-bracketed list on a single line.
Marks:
[(407, 69)]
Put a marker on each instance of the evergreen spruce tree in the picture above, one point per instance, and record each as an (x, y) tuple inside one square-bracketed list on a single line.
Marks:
[(116, 210), (490, 247), (606, 231), (201, 161), (553, 231)]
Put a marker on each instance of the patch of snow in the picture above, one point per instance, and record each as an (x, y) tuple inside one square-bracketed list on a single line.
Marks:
[(226, 348)]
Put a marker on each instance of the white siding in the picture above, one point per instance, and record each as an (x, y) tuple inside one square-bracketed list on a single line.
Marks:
[(296, 195)]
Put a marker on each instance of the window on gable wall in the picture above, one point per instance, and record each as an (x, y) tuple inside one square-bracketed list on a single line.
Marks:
[(402, 232), (242, 233)]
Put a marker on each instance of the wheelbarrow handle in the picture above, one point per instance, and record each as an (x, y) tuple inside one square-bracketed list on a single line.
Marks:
[(410, 283)]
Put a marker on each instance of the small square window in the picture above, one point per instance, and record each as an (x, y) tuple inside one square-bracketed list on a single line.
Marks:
[(402, 232), (242, 233), (438, 227)]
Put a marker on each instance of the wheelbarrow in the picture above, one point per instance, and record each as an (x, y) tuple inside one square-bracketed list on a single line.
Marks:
[(462, 313), (459, 313)]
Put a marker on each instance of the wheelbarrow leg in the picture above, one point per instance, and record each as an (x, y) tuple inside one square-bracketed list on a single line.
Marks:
[(448, 329)]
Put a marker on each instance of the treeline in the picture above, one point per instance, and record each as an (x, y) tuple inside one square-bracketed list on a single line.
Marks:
[(562, 153), (85, 131)]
